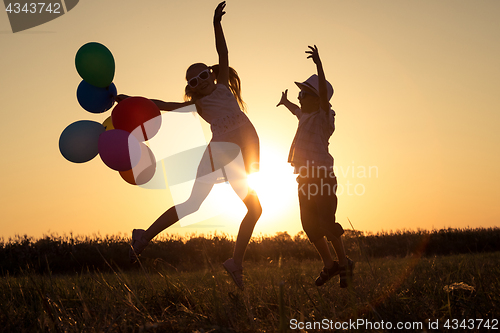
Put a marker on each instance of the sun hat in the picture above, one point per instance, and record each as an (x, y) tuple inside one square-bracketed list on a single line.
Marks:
[(313, 83)]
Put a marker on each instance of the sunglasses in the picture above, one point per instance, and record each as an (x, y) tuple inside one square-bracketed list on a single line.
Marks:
[(202, 76)]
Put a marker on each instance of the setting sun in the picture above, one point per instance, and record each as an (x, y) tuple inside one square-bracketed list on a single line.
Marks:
[(274, 183)]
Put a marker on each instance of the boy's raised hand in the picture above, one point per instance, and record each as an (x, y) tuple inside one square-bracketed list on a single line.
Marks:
[(322, 89), (314, 54), (219, 11), (283, 99)]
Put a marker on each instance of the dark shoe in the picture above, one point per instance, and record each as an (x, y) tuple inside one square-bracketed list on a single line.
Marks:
[(138, 245), (235, 271), (327, 273), (346, 274)]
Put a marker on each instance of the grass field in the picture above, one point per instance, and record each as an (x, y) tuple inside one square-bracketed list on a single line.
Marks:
[(462, 291)]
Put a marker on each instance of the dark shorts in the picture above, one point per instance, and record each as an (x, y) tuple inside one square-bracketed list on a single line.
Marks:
[(318, 203)]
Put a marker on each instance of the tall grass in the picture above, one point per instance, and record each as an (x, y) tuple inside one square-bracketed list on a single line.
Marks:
[(86, 284), (410, 289)]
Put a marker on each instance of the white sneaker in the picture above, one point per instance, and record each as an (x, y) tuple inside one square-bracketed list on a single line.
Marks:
[(138, 244), (236, 272)]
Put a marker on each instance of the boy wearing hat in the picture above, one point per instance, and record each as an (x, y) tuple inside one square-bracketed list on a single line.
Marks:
[(316, 179)]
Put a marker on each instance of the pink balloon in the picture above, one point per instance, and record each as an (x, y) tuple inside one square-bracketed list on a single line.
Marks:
[(119, 150), (144, 171)]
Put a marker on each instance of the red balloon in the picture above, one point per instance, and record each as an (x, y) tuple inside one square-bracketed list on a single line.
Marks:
[(119, 150), (137, 115), (144, 171)]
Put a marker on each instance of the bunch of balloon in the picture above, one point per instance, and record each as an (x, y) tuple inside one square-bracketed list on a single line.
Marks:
[(119, 140)]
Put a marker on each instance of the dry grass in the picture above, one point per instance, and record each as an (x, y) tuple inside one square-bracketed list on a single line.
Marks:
[(410, 289)]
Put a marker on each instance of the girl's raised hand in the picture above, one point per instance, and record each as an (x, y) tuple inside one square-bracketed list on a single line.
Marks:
[(314, 54), (219, 11), (283, 99)]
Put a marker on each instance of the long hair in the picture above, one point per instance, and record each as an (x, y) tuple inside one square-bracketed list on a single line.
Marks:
[(234, 85)]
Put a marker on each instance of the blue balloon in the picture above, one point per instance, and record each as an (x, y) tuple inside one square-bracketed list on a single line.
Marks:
[(95, 99), (79, 142)]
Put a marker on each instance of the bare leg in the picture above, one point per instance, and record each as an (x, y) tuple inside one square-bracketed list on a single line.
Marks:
[(324, 251), (339, 249), (199, 193), (247, 225)]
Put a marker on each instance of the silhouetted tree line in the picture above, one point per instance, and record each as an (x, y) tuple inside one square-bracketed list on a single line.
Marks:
[(67, 254)]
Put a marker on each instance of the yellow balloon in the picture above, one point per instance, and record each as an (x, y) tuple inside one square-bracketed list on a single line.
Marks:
[(108, 124)]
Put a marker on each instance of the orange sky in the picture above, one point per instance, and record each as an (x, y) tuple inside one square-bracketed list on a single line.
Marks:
[(416, 95)]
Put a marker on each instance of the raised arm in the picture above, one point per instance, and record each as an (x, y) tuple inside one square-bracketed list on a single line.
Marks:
[(289, 105), (163, 106), (323, 92), (220, 45)]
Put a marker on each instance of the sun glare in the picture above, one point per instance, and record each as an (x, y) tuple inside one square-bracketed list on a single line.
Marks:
[(275, 185), (255, 182)]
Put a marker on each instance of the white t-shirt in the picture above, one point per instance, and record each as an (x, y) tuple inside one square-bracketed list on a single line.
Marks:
[(221, 110)]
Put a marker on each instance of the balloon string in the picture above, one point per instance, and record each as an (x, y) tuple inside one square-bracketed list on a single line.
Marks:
[(144, 132)]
